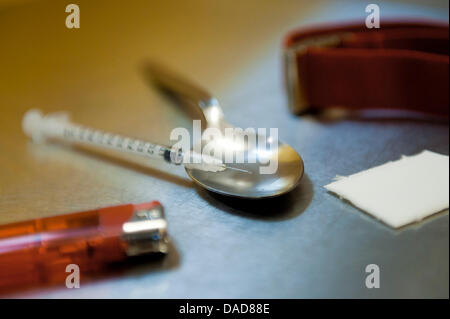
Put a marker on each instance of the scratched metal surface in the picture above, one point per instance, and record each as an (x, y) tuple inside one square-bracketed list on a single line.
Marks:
[(305, 244)]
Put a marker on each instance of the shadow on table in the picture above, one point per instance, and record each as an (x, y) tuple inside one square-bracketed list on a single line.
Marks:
[(283, 207), (46, 151)]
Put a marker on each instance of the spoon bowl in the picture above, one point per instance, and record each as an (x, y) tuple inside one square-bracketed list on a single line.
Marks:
[(251, 178)]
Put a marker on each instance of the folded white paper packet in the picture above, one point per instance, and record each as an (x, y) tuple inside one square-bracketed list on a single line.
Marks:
[(401, 192)]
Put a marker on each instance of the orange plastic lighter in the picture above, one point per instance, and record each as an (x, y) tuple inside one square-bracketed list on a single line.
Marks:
[(38, 251)]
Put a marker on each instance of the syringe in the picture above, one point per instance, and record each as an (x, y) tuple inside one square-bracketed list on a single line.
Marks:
[(57, 126)]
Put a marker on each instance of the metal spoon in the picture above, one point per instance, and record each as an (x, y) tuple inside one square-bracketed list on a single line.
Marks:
[(231, 182)]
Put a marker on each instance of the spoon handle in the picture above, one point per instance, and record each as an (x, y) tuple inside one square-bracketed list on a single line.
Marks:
[(178, 86)]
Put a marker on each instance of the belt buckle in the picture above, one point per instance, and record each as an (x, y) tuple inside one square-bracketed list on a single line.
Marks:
[(297, 99)]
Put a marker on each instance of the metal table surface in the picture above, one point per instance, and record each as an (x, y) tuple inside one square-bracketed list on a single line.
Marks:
[(305, 244)]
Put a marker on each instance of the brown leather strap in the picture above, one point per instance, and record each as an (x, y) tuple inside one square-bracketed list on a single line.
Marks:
[(402, 65)]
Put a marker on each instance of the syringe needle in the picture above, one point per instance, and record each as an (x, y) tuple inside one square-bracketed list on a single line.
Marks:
[(56, 126), (238, 169)]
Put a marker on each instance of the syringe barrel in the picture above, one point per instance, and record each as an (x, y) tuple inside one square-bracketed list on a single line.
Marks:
[(57, 126)]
